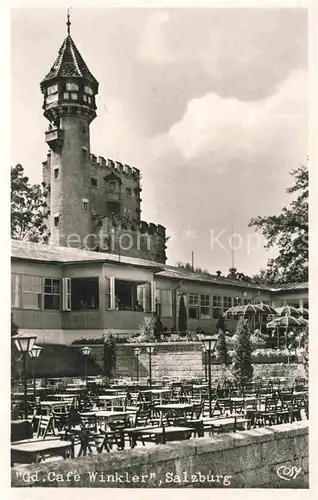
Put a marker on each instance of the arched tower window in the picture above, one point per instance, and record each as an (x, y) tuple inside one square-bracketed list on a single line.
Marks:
[(71, 86)]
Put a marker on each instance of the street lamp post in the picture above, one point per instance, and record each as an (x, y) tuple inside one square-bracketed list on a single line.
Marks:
[(86, 352), (205, 364), (24, 344), (209, 346), (34, 354), (150, 349), (137, 352)]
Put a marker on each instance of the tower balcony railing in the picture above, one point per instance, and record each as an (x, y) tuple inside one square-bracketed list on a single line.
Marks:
[(54, 137), (113, 196)]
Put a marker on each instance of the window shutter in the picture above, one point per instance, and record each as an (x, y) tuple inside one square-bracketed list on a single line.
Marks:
[(112, 292), (67, 294), (153, 296)]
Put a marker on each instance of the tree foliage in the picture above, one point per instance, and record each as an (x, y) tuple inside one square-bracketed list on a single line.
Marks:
[(288, 232), (221, 349), (237, 275), (158, 328), (28, 208), (182, 316), (242, 367), (110, 356), (304, 342), (220, 323)]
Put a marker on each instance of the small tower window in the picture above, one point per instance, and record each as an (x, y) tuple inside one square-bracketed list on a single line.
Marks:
[(56, 173), (112, 186), (85, 98), (84, 153), (56, 220), (52, 90), (88, 90), (94, 182), (51, 98), (89, 100), (85, 205), (71, 86), (74, 96), (128, 191), (66, 95)]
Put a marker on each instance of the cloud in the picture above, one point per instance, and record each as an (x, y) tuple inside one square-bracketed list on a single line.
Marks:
[(231, 127)]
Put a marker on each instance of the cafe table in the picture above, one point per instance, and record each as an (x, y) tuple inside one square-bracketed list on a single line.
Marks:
[(108, 416), (111, 392), (62, 396), (75, 390), (174, 408), (158, 394), (108, 401), (51, 405), (224, 424)]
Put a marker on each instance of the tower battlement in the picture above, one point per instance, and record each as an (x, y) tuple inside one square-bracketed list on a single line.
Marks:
[(115, 167), (138, 239)]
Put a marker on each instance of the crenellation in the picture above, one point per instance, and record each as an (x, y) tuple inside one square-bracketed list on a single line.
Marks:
[(110, 163), (161, 230), (127, 169), (101, 161), (152, 228), (135, 172), (118, 166)]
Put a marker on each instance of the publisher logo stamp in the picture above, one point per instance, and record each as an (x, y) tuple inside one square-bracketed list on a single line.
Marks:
[(288, 472)]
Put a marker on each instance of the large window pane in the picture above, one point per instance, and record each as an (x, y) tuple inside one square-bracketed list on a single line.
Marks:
[(31, 292), (166, 303), (85, 293), (52, 293), (205, 306)]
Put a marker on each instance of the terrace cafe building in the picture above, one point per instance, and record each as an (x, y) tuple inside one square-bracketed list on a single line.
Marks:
[(61, 294)]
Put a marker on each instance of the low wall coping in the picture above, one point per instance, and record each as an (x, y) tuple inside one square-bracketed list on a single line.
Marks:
[(161, 453)]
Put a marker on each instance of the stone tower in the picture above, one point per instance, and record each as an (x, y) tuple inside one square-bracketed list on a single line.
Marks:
[(69, 91), (94, 203)]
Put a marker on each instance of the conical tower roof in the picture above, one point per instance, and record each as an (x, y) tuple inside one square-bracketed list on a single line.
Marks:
[(69, 63)]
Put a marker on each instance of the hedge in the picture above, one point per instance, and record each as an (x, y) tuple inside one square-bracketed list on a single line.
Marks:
[(58, 360)]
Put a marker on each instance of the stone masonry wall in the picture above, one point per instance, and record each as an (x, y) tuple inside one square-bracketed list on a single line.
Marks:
[(182, 360), (272, 457), (179, 360)]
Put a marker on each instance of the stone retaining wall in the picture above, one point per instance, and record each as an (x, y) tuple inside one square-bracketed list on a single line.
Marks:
[(272, 457), (180, 360)]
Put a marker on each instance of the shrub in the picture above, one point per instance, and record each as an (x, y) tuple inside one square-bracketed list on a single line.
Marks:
[(87, 341), (57, 360), (221, 349), (157, 328), (242, 368), (182, 316), (220, 324), (257, 339), (304, 344)]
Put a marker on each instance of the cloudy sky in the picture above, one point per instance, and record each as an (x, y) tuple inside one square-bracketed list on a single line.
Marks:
[(210, 104)]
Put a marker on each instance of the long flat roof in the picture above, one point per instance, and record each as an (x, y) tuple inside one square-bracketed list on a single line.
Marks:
[(186, 274), (67, 255)]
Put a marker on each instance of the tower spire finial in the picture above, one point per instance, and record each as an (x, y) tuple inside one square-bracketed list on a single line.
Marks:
[(68, 23)]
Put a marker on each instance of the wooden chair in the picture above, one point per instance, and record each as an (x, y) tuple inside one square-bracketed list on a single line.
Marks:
[(45, 427), (268, 415)]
